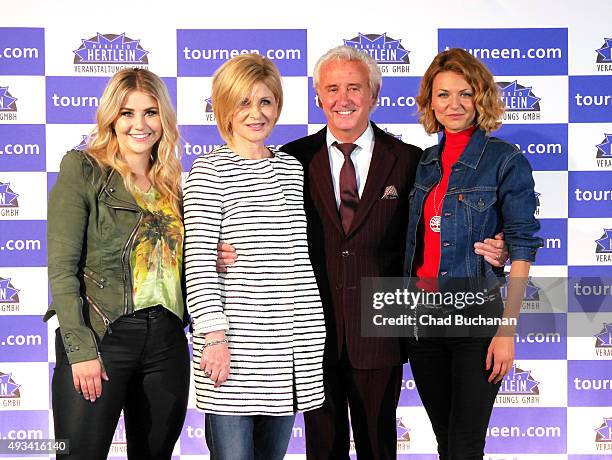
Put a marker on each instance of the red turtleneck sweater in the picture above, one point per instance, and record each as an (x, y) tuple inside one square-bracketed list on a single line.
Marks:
[(427, 262)]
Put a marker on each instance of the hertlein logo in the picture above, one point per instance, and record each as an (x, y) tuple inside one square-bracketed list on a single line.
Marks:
[(108, 53), (391, 56), (537, 197), (9, 296), (397, 136), (403, 435), (520, 101), (604, 56), (603, 435), (8, 107), (208, 110), (82, 146), (519, 387), (603, 250), (9, 391), (603, 341), (9, 207), (604, 152), (531, 300)]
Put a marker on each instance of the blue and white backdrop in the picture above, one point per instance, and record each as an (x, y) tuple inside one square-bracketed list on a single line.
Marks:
[(552, 60)]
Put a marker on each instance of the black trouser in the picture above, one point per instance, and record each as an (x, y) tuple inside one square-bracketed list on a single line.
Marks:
[(450, 376), (147, 361), (372, 396)]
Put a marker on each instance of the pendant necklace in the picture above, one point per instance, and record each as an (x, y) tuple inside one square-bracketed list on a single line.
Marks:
[(436, 220)]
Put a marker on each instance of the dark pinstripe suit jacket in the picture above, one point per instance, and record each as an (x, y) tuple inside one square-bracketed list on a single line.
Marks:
[(374, 245)]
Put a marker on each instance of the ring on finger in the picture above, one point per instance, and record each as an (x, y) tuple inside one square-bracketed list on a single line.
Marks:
[(207, 374)]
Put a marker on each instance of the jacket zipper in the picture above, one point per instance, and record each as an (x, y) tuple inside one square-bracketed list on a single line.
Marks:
[(105, 319), (126, 280), (93, 280)]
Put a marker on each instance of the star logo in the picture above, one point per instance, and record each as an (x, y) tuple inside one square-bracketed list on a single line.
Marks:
[(8, 388), (604, 150), (384, 49), (7, 102), (209, 106), (604, 432), (82, 146), (110, 48), (518, 97), (532, 292), (397, 136), (604, 54), (8, 293), (519, 382), (403, 432), (604, 244), (8, 199), (604, 338)]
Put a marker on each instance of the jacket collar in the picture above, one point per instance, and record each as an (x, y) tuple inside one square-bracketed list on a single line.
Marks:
[(114, 193), (471, 155)]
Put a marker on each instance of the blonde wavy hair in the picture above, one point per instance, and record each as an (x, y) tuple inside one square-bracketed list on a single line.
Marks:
[(233, 82), (165, 172), (487, 101)]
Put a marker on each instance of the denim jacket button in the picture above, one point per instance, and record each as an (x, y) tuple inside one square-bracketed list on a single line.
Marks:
[(445, 244), (448, 214), (480, 203), (443, 273)]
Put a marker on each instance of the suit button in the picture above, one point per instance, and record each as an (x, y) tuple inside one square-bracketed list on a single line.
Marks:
[(345, 253)]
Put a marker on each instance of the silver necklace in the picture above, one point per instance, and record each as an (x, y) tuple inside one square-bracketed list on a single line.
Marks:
[(436, 220)]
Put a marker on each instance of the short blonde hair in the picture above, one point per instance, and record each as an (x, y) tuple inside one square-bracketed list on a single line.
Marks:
[(165, 172), (233, 82), (487, 101)]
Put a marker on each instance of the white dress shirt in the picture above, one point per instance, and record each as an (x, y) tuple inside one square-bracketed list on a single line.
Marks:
[(361, 157)]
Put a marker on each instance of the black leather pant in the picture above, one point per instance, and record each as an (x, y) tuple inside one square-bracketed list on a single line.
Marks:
[(147, 361), (452, 381)]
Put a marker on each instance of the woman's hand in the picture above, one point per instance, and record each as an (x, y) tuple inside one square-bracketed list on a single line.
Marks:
[(215, 361), (494, 251), (87, 379), (500, 357)]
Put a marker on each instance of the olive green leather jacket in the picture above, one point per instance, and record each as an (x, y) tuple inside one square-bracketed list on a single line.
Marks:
[(91, 226)]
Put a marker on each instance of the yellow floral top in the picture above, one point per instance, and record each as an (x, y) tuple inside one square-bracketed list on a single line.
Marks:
[(157, 255)]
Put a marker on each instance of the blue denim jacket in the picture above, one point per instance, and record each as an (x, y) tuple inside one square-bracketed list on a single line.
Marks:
[(490, 189)]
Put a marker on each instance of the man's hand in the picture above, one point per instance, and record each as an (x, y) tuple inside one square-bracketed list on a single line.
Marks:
[(87, 379), (226, 255), (494, 251)]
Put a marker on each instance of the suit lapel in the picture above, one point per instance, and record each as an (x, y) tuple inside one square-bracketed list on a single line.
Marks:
[(321, 180), (383, 160)]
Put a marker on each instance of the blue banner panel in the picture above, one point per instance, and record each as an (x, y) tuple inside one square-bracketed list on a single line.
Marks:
[(22, 148), (527, 430), (24, 340), (512, 51), (554, 234), (201, 52), (74, 99), (23, 243), (22, 51), (590, 99), (589, 194), (589, 383), (545, 145), (541, 336)]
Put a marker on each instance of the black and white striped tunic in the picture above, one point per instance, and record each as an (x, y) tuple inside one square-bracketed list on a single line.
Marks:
[(268, 301)]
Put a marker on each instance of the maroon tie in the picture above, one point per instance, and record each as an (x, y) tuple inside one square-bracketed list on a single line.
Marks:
[(349, 198)]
